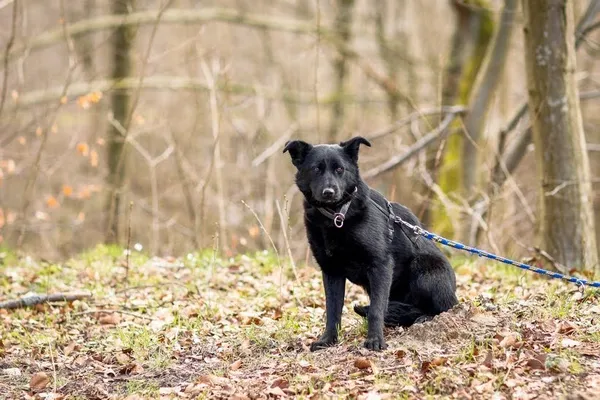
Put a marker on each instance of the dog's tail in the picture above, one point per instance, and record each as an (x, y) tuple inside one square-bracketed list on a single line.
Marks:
[(398, 314)]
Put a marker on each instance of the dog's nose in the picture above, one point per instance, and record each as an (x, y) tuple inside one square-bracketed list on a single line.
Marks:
[(328, 193)]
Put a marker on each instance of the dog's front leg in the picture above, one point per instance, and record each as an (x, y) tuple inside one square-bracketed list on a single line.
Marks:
[(380, 281), (335, 288)]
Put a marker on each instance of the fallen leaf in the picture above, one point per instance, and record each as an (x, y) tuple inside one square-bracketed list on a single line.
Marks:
[(213, 380), (565, 328), (509, 341), (122, 358), (109, 319), (489, 357), (165, 391), (235, 365), (39, 381), (534, 363), (276, 391), (362, 363), (400, 354), (70, 348), (438, 361), (132, 369), (280, 383)]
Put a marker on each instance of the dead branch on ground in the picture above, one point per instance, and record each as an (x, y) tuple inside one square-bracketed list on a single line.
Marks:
[(32, 300)]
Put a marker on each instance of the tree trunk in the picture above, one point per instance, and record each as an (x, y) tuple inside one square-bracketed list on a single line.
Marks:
[(481, 28), (566, 214), (479, 104), (343, 23), (120, 100)]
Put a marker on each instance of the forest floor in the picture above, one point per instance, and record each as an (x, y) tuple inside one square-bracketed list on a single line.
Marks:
[(209, 327)]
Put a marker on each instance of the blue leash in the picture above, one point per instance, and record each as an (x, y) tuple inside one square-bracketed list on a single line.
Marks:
[(436, 238)]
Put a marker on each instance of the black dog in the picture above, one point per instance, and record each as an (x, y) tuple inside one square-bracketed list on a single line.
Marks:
[(352, 235)]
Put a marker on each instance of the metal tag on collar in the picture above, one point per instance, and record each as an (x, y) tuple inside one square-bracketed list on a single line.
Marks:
[(338, 220)]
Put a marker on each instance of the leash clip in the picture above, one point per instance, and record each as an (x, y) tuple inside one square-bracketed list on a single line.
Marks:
[(338, 220)]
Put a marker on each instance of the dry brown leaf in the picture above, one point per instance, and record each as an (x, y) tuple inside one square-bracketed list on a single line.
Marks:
[(132, 369), (235, 365), (400, 354), (280, 383), (109, 319), (39, 381), (362, 363), (212, 380), (437, 361), (276, 391), (489, 357), (509, 341), (534, 363), (122, 358), (69, 348), (565, 327)]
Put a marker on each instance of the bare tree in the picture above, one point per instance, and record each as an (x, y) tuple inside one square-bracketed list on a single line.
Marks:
[(122, 65), (474, 31), (481, 101), (343, 22), (566, 214)]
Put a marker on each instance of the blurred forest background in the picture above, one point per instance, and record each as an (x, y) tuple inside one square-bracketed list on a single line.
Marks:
[(161, 122)]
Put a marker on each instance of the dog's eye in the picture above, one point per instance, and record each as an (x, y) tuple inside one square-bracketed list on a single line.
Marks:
[(316, 169), (339, 170)]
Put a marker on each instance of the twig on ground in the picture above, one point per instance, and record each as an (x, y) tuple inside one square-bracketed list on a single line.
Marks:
[(32, 300), (132, 314)]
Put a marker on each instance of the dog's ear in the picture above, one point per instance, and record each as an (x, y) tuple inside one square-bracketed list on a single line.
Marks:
[(298, 151), (352, 146)]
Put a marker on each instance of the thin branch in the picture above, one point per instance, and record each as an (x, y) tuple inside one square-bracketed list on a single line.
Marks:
[(30, 301), (378, 134), (176, 83), (193, 16), (439, 132), (176, 16), (272, 149)]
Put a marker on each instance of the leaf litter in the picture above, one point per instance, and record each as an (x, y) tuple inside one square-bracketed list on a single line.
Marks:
[(206, 327)]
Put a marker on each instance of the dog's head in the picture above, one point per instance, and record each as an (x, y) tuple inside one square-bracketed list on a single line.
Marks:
[(326, 172)]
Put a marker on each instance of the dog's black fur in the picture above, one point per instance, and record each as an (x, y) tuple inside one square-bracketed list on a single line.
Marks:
[(408, 279)]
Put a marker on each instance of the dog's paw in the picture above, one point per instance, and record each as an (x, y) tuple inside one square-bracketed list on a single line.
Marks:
[(375, 343), (321, 344)]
